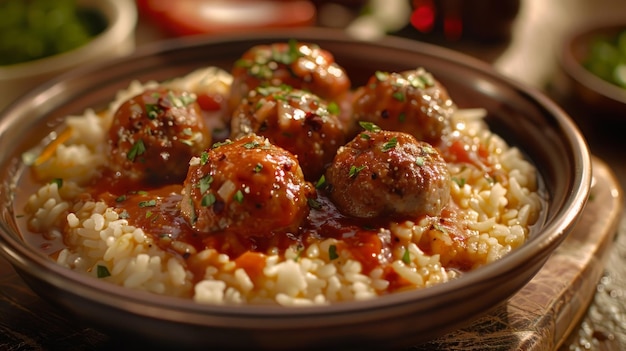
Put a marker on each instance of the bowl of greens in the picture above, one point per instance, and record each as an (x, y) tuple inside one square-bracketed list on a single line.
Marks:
[(593, 60), (40, 39)]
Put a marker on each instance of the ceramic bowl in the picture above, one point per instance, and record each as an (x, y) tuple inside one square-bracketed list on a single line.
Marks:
[(522, 115), (599, 97), (116, 40)]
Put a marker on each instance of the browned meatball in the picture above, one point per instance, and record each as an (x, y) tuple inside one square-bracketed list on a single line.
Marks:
[(300, 65), (386, 173), (154, 134), (412, 102), (293, 119), (248, 187)]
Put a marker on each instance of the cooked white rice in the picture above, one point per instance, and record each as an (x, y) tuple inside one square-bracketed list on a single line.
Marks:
[(499, 215)]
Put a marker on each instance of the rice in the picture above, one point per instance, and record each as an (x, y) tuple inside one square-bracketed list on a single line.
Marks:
[(99, 243)]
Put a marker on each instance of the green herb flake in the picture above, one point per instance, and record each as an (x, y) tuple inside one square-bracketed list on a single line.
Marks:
[(381, 76), (207, 200), (314, 204), (392, 143), (149, 214), (332, 252), (137, 149), (149, 203), (321, 182), (251, 145), (406, 256), (102, 271), (354, 170), (398, 95), (221, 143), (333, 108), (402, 117), (153, 110), (120, 198), (459, 181), (238, 196), (365, 136), (441, 228), (204, 158), (299, 250), (369, 126), (58, 182), (205, 183), (419, 161), (257, 168)]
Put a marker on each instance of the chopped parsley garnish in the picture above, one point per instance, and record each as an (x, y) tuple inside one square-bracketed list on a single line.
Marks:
[(204, 158), (149, 203), (369, 126), (381, 76), (58, 182), (332, 252), (120, 198), (238, 196), (257, 168), (459, 181), (419, 161), (137, 149), (205, 183), (398, 95), (354, 170), (333, 108), (299, 249), (208, 200), (320, 182), (441, 228), (392, 143), (102, 271), (251, 145), (153, 110), (221, 143), (406, 256), (314, 204)]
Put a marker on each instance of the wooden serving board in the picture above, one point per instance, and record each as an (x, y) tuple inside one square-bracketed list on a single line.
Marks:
[(541, 316)]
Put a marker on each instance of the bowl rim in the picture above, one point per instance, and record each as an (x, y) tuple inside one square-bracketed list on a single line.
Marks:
[(278, 316), (121, 17), (573, 66)]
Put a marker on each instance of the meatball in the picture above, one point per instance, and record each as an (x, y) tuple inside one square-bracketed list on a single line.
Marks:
[(295, 120), (154, 135), (248, 187), (412, 102), (388, 173), (300, 65)]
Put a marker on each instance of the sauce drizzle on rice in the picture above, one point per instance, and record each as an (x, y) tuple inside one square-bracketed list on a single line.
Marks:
[(248, 225)]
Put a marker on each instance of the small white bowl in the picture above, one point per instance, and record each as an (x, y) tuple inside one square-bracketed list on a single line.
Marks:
[(116, 40)]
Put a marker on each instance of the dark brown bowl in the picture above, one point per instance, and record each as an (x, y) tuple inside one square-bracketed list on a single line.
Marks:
[(523, 116), (599, 97)]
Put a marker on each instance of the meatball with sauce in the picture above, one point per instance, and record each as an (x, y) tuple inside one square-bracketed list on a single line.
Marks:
[(295, 120), (387, 173), (300, 65), (154, 135), (248, 188), (412, 102)]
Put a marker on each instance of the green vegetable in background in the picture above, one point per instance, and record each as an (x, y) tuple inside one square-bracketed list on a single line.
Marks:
[(607, 59), (33, 29)]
